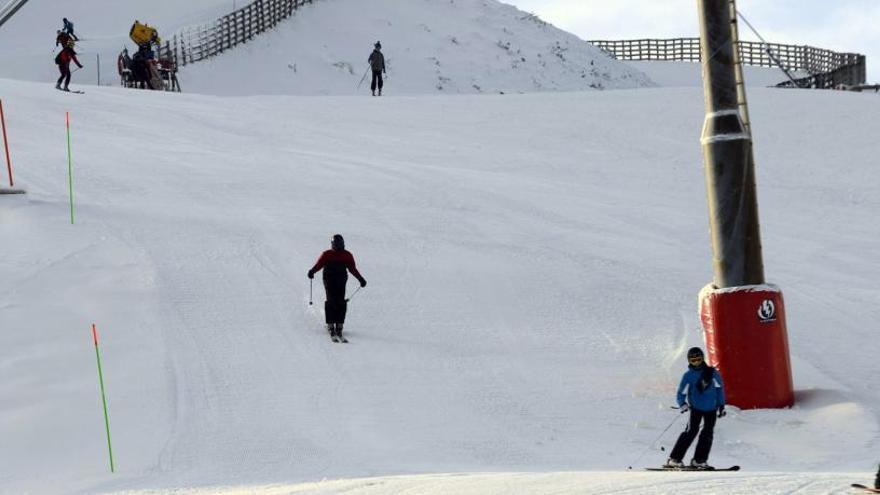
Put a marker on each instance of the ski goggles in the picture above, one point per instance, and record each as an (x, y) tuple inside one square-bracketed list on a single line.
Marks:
[(695, 360)]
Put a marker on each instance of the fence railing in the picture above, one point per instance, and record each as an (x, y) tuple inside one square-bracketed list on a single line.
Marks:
[(196, 43), (819, 63)]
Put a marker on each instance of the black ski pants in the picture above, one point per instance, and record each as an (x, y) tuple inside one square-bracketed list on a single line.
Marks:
[(335, 306), (704, 444), (65, 75), (377, 80)]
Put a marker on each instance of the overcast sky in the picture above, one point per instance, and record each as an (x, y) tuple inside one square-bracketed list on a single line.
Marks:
[(840, 25)]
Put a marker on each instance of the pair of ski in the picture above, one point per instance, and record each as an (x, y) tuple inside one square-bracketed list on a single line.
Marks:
[(71, 91), (691, 469), (864, 488)]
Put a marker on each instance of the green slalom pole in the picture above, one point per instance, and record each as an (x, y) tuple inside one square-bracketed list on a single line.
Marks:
[(103, 398), (69, 166)]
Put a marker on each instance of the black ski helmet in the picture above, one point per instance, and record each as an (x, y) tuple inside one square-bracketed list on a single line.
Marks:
[(337, 243), (693, 353), (378, 45)]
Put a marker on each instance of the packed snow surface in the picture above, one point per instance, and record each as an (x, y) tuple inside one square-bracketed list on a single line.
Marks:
[(431, 46), (533, 265)]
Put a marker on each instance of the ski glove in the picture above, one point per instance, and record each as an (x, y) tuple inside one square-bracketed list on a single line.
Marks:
[(684, 408), (311, 274), (721, 412), (363, 282)]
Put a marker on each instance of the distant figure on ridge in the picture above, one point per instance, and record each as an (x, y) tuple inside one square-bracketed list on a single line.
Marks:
[(377, 64), (68, 29), (702, 386), (877, 480), (336, 263), (63, 60)]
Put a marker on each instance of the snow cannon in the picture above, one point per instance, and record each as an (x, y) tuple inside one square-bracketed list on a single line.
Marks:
[(747, 341), (743, 317), (143, 34)]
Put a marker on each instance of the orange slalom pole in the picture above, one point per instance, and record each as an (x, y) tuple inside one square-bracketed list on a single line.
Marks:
[(6, 144)]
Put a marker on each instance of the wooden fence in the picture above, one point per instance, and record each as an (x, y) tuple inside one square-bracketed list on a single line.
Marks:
[(197, 43), (849, 68)]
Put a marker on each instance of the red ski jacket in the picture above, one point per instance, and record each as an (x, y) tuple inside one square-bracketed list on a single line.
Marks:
[(66, 56), (341, 257)]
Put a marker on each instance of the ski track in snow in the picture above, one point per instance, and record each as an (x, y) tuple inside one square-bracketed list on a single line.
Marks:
[(532, 285)]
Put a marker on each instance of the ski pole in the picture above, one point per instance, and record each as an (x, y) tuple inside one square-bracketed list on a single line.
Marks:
[(363, 78), (674, 420), (353, 294), (311, 283)]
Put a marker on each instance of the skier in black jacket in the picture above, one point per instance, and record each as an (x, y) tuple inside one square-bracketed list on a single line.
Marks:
[(377, 64)]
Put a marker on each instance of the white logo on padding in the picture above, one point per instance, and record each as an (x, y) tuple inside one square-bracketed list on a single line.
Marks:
[(767, 311)]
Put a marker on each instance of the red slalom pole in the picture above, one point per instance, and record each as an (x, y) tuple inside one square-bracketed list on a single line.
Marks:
[(6, 144)]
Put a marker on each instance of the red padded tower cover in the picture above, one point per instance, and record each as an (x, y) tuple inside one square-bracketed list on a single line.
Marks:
[(747, 341)]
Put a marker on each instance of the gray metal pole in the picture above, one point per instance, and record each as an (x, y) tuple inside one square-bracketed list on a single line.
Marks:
[(727, 157), (10, 9)]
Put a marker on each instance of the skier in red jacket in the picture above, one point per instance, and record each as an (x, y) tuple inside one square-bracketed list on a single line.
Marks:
[(63, 60), (336, 263)]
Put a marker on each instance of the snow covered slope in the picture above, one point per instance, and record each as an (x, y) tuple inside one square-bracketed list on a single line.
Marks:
[(532, 287), (460, 46), (432, 46)]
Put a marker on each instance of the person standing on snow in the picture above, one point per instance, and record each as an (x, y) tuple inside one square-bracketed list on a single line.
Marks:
[(336, 263), (377, 64), (704, 390), (68, 29), (63, 60)]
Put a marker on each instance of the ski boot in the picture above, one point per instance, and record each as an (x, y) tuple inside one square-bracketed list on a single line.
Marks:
[(695, 464), (673, 464)]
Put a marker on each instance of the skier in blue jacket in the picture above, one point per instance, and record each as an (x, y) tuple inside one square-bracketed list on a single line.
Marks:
[(702, 393), (68, 29)]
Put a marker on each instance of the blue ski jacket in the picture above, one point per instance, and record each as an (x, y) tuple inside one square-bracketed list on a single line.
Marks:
[(709, 399)]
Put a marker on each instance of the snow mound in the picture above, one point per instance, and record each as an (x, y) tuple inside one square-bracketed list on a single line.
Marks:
[(459, 46)]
